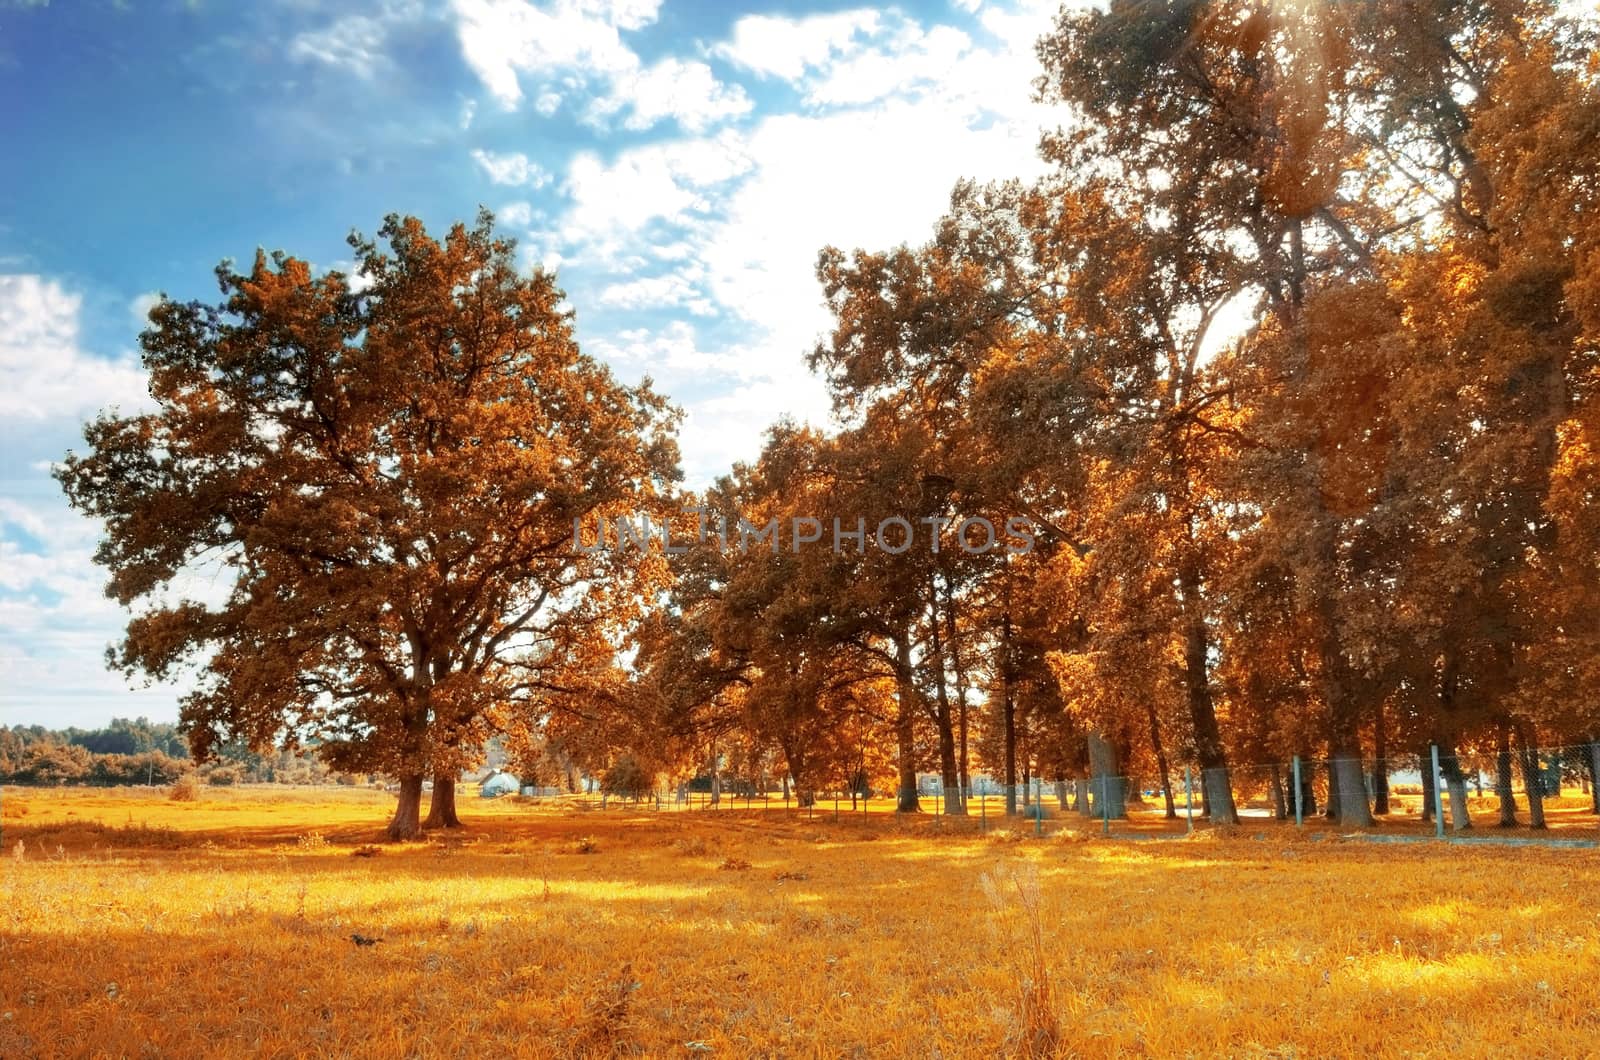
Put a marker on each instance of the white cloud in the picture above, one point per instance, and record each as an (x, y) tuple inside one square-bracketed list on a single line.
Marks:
[(670, 182), (55, 620), (502, 40), (568, 44), (786, 47), (673, 352), (913, 59), (686, 92), (657, 292), (515, 168), (515, 214), (44, 374), (355, 43), (897, 112)]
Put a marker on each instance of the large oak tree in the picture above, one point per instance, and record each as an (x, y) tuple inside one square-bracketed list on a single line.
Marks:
[(352, 510)]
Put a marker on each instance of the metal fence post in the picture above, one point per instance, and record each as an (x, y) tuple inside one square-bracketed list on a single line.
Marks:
[(1105, 804)]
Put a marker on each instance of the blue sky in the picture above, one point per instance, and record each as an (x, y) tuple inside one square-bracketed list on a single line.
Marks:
[(679, 164)]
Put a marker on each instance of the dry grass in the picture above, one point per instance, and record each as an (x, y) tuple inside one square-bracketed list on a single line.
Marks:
[(131, 925)]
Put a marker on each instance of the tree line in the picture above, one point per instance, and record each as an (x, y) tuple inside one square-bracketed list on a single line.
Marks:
[(139, 751), (1290, 362)]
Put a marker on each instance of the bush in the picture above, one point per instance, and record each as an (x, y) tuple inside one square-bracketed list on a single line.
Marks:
[(224, 776), (185, 789)]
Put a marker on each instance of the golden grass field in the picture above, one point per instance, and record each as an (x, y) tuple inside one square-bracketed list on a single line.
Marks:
[(131, 925)]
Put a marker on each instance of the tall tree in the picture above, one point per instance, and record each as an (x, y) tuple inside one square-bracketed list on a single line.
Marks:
[(386, 481)]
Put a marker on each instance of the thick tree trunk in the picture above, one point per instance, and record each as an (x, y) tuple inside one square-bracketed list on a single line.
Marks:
[(1080, 796), (1455, 787), (1502, 774), (1209, 752), (905, 728), (1280, 806), (1380, 764), (1347, 793), (1532, 778), (1353, 810), (1061, 796), (1460, 819), (406, 822), (1106, 786), (442, 803), (795, 761), (1161, 760)]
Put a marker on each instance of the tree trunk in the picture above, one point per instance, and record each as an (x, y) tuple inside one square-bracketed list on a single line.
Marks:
[(406, 824), (1106, 786), (1331, 810), (944, 716), (1080, 796), (1280, 807), (1008, 707), (1594, 773), (1380, 764), (1502, 774), (1455, 784), (905, 728), (953, 645), (442, 803), (1347, 794), (1532, 778), (1061, 796), (797, 767), (1161, 760), (1460, 819), (1428, 784), (1214, 776), (1308, 789)]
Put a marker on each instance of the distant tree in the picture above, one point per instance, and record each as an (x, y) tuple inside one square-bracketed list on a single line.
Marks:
[(626, 778), (386, 479)]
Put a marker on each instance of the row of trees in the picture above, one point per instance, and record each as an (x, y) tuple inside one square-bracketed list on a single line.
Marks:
[(124, 736), (1289, 366), (1361, 522), (141, 752)]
